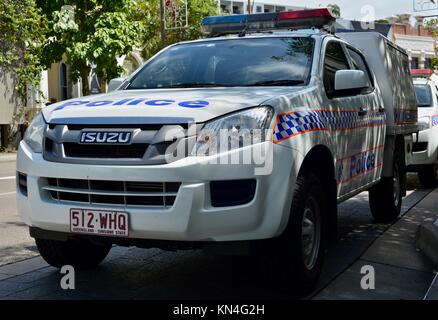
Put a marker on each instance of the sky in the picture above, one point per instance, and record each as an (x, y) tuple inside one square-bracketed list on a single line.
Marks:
[(351, 9)]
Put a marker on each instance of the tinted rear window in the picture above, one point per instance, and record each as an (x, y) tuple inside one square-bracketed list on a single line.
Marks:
[(424, 95)]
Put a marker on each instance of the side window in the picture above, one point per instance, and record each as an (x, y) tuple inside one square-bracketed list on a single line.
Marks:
[(334, 60), (359, 63)]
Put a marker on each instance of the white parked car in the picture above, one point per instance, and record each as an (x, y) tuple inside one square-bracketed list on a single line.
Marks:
[(246, 139), (425, 153)]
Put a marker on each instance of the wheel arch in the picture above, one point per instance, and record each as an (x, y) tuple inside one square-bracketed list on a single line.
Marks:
[(320, 161)]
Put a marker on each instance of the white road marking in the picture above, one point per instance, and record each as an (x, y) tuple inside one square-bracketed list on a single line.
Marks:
[(7, 193), (7, 178)]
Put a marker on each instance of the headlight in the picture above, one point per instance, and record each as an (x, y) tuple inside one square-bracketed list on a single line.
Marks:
[(34, 133), (424, 123), (234, 131)]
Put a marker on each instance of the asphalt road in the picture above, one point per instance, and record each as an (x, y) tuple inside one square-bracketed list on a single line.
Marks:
[(155, 274)]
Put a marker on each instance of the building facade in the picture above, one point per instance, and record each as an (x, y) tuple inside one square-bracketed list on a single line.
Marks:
[(241, 7), (57, 85), (416, 40)]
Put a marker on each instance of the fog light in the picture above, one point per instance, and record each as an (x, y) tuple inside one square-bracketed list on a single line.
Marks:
[(232, 192), (22, 183)]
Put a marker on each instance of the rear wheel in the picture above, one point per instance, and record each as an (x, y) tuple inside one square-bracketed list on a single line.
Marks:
[(300, 253), (428, 176), (80, 254), (386, 197)]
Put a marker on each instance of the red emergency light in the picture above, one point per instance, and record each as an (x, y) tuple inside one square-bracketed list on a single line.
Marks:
[(303, 19), (305, 14)]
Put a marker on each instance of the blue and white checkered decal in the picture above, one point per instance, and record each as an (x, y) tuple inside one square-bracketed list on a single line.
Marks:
[(299, 122), (435, 120), (295, 123)]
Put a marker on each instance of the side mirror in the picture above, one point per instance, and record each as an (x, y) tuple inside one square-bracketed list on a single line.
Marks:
[(350, 80), (114, 84)]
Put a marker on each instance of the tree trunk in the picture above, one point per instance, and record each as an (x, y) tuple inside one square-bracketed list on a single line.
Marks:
[(84, 77), (103, 86)]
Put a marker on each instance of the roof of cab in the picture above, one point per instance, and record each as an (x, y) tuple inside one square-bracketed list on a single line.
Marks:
[(270, 34), (422, 81)]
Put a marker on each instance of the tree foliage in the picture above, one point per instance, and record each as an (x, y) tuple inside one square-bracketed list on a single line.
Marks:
[(90, 33), (22, 29), (432, 26), (382, 21), (148, 11), (336, 10), (434, 63)]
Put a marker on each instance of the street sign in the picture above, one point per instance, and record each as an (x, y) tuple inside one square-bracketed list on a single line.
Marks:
[(425, 5), (176, 14)]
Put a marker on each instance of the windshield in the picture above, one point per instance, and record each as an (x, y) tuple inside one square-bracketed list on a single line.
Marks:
[(229, 63), (424, 95)]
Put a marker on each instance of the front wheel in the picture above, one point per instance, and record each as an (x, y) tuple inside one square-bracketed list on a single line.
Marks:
[(386, 197), (300, 252), (80, 254)]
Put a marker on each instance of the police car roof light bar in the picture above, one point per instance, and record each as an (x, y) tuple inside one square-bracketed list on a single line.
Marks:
[(293, 20)]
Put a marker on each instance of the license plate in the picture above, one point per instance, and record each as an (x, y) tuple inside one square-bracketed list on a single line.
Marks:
[(99, 222)]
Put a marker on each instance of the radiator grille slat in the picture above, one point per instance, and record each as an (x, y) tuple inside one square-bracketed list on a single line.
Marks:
[(126, 193)]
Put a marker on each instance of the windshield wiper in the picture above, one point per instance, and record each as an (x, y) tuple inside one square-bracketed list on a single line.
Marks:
[(196, 85), (277, 83)]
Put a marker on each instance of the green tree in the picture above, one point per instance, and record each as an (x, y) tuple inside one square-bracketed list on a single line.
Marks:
[(22, 30), (148, 11), (382, 21), (336, 10), (90, 33), (434, 63), (432, 26)]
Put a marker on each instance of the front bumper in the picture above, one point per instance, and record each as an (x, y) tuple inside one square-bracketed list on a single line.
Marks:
[(427, 154), (191, 218)]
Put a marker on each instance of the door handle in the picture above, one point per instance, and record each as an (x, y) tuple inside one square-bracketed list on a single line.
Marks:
[(362, 112)]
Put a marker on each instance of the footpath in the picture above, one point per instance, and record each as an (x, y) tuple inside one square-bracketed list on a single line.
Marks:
[(401, 270)]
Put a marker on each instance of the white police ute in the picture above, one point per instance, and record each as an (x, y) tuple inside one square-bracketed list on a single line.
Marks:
[(425, 153), (247, 139)]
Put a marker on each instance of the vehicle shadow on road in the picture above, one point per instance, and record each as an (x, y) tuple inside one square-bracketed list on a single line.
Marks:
[(153, 274)]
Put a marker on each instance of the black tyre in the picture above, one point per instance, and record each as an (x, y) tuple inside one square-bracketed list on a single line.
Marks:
[(428, 176), (300, 251), (386, 197), (81, 255)]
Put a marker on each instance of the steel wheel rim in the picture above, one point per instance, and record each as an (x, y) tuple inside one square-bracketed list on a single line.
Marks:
[(311, 233)]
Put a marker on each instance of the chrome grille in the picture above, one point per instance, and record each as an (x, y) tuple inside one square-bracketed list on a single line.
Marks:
[(123, 193), (151, 144)]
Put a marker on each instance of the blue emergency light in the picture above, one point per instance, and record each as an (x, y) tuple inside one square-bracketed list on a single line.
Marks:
[(292, 20)]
